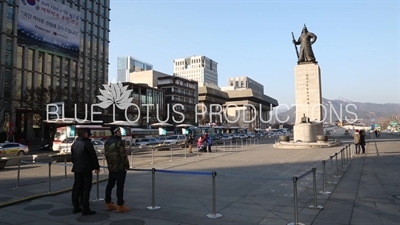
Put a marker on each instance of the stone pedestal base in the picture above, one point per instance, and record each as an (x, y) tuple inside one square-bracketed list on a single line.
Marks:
[(306, 132)]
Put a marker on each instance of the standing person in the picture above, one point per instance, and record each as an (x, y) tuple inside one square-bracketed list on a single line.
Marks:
[(84, 160), (356, 137), (376, 133), (189, 142), (118, 164), (209, 143), (362, 141)]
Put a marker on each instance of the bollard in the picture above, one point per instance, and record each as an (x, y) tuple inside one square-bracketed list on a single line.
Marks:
[(296, 211), (152, 155), (337, 165), (153, 191), (131, 159), (65, 168), (172, 152), (241, 142), (224, 146), (315, 206), (236, 143), (98, 189), (230, 145), (331, 173), (324, 192), (214, 214), (342, 159), (18, 174), (49, 177)]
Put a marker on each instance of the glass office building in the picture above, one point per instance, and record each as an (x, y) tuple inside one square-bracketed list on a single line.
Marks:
[(127, 65), (51, 51)]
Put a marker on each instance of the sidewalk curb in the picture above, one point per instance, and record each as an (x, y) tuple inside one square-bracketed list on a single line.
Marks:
[(33, 197)]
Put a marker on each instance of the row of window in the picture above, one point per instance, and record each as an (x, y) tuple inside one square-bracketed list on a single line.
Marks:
[(40, 62), (182, 99)]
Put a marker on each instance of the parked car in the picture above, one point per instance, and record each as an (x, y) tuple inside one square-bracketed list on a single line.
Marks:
[(176, 140), (226, 137), (13, 148), (98, 146), (147, 142), (65, 146)]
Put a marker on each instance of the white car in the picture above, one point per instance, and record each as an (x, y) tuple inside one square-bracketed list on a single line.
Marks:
[(175, 140)]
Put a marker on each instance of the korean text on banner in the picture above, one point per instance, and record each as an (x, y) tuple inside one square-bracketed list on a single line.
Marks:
[(50, 26)]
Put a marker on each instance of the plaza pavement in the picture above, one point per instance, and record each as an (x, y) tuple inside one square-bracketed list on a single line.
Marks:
[(253, 186)]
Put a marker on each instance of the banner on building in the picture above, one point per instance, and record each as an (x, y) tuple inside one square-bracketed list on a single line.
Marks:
[(50, 26)]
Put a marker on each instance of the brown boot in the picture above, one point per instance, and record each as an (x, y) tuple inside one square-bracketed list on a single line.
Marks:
[(110, 206), (122, 208)]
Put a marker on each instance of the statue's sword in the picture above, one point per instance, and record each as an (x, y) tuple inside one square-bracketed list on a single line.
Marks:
[(297, 51)]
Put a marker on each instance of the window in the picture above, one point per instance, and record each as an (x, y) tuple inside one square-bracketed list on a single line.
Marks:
[(40, 62), (66, 67), (8, 59), (28, 78), (10, 13), (57, 65), (38, 80), (30, 60)]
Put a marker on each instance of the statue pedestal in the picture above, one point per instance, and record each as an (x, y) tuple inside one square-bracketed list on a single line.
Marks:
[(307, 132), (308, 92)]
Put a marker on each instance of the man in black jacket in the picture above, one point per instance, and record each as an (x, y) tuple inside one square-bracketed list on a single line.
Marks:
[(84, 160)]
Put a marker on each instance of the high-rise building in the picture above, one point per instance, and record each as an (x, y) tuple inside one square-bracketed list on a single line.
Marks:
[(51, 51), (246, 82), (198, 68), (128, 65)]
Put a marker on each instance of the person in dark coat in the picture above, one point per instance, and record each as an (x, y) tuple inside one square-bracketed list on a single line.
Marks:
[(362, 141), (84, 160)]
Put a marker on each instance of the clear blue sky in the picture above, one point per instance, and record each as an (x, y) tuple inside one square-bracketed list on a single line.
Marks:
[(357, 47)]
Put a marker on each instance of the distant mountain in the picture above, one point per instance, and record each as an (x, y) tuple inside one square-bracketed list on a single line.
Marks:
[(365, 111)]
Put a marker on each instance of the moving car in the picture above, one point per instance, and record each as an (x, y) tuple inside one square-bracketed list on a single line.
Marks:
[(13, 148)]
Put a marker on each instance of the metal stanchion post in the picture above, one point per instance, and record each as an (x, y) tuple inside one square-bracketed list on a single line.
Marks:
[(18, 174), (236, 142), (98, 189), (342, 159), (230, 146), (104, 163), (214, 214), (337, 165), (153, 191), (152, 155), (224, 146), (324, 192), (50, 177), (331, 173), (65, 168), (172, 153), (131, 159), (242, 142), (296, 211), (315, 206)]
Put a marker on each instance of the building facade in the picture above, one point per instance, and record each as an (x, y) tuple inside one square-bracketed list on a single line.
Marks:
[(128, 65), (149, 77), (181, 91), (246, 82), (197, 68), (145, 98), (48, 56)]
